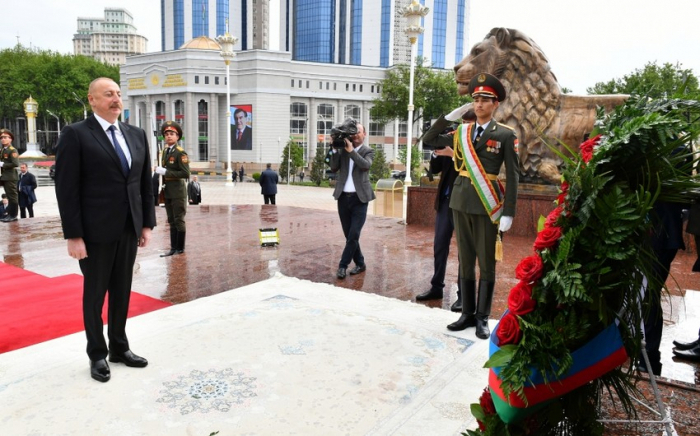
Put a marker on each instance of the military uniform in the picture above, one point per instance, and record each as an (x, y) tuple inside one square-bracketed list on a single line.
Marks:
[(177, 171), (477, 228), (9, 177)]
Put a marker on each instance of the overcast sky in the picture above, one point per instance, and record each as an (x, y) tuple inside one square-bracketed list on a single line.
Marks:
[(586, 41)]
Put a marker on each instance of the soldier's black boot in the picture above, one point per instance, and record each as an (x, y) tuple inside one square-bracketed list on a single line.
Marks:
[(173, 242), (484, 309), (180, 242), (468, 307), (457, 305)]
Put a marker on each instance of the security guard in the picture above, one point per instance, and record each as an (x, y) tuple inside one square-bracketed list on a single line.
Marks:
[(9, 161), (480, 205), (175, 170)]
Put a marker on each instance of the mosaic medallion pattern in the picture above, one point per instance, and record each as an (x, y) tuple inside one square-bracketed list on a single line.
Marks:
[(207, 391)]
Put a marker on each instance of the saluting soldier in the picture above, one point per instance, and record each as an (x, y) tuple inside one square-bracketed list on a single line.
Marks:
[(9, 161), (175, 170), (480, 204)]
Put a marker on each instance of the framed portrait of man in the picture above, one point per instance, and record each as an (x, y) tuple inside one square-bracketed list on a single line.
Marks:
[(242, 127)]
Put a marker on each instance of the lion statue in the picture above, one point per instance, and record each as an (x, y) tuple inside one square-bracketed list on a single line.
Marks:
[(535, 107)]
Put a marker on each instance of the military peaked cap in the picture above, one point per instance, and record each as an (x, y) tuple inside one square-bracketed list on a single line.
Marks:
[(486, 85)]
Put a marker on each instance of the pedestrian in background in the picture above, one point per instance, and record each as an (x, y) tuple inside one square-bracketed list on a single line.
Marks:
[(26, 186), (268, 183), (194, 191)]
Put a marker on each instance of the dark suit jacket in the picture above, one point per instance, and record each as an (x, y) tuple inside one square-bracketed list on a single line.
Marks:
[(268, 182), (246, 142), (441, 164), (340, 161), (94, 197), (26, 186)]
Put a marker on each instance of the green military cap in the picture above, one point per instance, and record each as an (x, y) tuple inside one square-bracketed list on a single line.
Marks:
[(8, 132), (486, 85), (171, 125)]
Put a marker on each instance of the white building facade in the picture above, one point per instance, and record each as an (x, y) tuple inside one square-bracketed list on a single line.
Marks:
[(110, 39), (284, 99)]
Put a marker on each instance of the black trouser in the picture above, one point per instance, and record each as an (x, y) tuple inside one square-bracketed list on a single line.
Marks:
[(353, 214), (12, 197), (444, 227), (109, 268), (269, 199), (654, 322), (25, 205)]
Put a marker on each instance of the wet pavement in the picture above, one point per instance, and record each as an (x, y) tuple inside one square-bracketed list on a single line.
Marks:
[(223, 251)]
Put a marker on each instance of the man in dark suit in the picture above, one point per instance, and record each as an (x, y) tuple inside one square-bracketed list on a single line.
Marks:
[(194, 191), (353, 191), (26, 186), (268, 183), (481, 213), (441, 162), (241, 134), (105, 199)]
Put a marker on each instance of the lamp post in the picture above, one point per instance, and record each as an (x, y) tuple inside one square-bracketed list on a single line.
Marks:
[(58, 122), (325, 133), (413, 12), (81, 102), (226, 41)]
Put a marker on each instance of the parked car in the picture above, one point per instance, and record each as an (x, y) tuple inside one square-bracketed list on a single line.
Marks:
[(330, 175), (399, 175)]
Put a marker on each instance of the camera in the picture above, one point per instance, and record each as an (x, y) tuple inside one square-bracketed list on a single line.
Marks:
[(341, 131)]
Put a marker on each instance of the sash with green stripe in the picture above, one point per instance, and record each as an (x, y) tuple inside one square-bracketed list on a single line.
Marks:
[(484, 188)]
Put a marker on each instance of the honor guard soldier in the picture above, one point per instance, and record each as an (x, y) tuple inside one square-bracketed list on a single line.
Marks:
[(175, 170), (482, 208), (9, 162)]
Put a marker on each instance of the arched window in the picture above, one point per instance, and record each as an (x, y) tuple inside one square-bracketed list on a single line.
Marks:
[(203, 130)]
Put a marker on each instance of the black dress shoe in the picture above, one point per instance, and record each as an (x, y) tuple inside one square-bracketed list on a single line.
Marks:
[(129, 359), (9, 219), (655, 368), (342, 272), (99, 370), (693, 354), (686, 345), (432, 294), (169, 253), (358, 269), (464, 321)]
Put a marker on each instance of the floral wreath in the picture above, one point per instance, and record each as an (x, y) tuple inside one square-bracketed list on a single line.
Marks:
[(573, 317)]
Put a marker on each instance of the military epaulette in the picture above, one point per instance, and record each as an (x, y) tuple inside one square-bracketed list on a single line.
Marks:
[(180, 149), (506, 126), (11, 148)]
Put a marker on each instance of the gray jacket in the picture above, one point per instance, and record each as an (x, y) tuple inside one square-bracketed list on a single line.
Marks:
[(340, 160)]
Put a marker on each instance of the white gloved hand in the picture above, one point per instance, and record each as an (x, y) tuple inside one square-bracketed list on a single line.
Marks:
[(457, 113), (1, 164), (506, 222), (160, 170)]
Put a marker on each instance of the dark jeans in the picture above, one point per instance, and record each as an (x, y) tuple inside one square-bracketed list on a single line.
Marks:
[(353, 214), (269, 199), (23, 210)]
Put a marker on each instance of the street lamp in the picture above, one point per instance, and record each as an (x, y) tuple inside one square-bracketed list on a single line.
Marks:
[(58, 122), (325, 132), (227, 42), (81, 102), (413, 12)]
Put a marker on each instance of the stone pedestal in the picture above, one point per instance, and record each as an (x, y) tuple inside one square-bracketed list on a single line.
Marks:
[(33, 150)]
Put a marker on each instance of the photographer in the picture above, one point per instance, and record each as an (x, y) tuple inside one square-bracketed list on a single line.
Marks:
[(353, 190)]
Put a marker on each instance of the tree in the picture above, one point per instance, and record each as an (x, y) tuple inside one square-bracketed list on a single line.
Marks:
[(318, 166), (380, 167), (297, 156), (50, 78), (415, 161), (434, 91), (653, 81)]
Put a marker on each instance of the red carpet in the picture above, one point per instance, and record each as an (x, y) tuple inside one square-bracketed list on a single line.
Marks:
[(34, 308)]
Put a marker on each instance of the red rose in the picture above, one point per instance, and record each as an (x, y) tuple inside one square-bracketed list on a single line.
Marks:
[(564, 187), (508, 331), (486, 402), (587, 148), (553, 217), (547, 238), (563, 191), (529, 269), (520, 300)]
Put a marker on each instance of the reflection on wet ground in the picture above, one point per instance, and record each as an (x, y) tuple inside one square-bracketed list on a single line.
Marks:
[(223, 252)]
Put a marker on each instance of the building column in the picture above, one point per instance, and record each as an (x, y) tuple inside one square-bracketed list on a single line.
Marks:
[(190, 127), (213, 113)]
